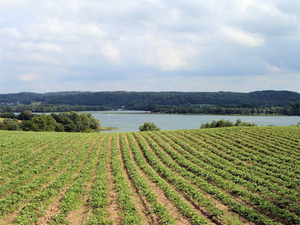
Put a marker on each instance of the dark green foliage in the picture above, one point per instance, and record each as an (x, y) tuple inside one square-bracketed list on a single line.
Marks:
[(147, 126), (62, 122), (120, 98), (8, 115), (25, 115), (59, 127), (39, 123), (227, 123), (73, 122), (253, 103), (10, 124), (293, 109)]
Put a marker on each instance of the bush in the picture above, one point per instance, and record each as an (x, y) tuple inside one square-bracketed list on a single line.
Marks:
[(147, 126), (10, 124), (74, 122), (62, 122), (227, 123), (39, 123)]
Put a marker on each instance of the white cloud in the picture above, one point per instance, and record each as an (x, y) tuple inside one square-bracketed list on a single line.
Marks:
[(4, 4), (111, 52), (243, 5), (272, 68), (54, 27), (63, 31), (168, 59), (29, 77), (162, 54), (243, 37), (31, 46), (93, 31), (11, 33)]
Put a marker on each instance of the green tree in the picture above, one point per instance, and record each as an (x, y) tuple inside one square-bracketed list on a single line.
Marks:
[(28, 125), (238, 122), (39, 123), (25, 115), (59, 127), (10, 124), (95, 123), (8, 115), (227, 123), (147, 126), (213, 124), (73, 122)]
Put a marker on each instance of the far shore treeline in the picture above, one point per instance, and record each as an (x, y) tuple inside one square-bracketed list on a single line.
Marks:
[(219, 103), (59, 122)]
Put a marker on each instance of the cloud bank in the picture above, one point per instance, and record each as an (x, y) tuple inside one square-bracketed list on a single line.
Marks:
[(151, 45)]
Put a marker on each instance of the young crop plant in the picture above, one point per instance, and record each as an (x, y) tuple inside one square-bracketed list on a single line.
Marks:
[(185, 208), (143, 187), (238, 175), (99, 193), (129, 211)]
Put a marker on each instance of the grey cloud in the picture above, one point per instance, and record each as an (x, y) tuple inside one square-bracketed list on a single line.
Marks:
[(113, 42)]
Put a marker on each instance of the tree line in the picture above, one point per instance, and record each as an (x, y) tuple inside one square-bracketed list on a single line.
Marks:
[(59, 122), (227, 123), (290, 109), (220, 103), (129, 99)]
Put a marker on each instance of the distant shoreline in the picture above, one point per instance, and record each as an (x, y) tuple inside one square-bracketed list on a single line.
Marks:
[(163, 113), (188, 114)]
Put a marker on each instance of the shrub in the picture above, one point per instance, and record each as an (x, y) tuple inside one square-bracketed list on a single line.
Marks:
[(147, 126)]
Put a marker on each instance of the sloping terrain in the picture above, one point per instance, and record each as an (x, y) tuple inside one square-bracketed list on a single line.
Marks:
[(209, 176)]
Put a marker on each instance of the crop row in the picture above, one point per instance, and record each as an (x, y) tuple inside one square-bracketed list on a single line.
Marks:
[(231, 153), (206, 176), (194, 175), (280, 184), (170, 193), (31, 190), (227, 172), (34, 209)]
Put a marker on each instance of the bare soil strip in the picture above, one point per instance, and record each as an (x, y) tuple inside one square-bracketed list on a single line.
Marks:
[(39, 149), (53, 208), (198, 209), (33, 177), (9, 218), (227, 212), (172, 209), (137, 198), (113, 207), (81, 215), (18, 160), (35, 149), (229, 215)]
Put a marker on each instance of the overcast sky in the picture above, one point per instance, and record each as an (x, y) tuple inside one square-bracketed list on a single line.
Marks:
[(149, 45)]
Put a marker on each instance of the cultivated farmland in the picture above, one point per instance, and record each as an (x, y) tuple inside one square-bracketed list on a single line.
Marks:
[(209, 176)]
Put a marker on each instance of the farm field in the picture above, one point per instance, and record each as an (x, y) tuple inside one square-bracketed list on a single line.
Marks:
[(236, 175)]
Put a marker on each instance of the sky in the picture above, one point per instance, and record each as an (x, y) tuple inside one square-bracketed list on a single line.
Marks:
[(149, 45)]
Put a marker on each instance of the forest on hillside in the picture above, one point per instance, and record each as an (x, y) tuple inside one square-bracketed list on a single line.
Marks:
[(253, 103)]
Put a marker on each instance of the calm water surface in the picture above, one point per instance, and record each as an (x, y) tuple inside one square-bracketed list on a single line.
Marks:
[(126, 121)]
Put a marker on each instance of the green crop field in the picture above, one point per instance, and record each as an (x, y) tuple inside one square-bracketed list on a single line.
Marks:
[(208, 176)]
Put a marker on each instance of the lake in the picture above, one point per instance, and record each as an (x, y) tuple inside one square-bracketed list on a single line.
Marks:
[(130, 121)]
